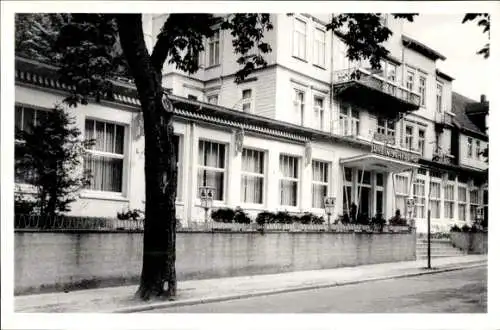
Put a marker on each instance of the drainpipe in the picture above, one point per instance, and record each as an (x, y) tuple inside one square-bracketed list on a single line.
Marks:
[(331, 84)]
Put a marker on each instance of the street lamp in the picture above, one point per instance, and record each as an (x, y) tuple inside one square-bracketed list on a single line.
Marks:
[(206, 197), (329, 204)]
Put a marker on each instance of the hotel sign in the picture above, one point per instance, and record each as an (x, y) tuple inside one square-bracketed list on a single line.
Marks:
[(385, 150)]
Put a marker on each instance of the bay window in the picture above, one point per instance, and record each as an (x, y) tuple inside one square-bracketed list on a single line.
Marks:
[(289, 180), (319, 183), (252, 176), (212, 167), (104, 160)]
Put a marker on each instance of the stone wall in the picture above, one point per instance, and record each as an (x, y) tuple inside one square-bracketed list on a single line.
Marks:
[(47, 262), (472, 243)]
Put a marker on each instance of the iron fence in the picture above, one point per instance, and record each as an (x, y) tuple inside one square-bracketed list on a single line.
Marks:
[(71, 223)]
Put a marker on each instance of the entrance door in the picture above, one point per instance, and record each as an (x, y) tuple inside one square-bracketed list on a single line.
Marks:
[(379, 202)]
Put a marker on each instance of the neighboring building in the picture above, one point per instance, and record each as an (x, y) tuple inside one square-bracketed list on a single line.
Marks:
[(291, 133)]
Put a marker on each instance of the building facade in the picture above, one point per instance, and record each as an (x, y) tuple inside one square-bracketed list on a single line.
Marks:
[(309, 125)]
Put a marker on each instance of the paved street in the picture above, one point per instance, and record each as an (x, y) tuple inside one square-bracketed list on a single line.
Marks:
[(462, 291)]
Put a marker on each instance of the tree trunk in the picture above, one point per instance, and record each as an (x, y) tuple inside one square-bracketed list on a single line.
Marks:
[(158, 264)]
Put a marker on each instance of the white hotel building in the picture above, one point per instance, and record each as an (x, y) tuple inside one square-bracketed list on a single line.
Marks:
[(291, 133)]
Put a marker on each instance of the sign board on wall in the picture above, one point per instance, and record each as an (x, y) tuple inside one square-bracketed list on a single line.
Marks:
[(394, 153)]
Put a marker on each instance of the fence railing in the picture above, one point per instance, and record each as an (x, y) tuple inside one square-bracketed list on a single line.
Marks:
[(367, 78), (70, 223)]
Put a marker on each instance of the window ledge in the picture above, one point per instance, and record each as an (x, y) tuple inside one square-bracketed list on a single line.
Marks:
[(103, 195), (319, 67), (212, 66), (300, 59)]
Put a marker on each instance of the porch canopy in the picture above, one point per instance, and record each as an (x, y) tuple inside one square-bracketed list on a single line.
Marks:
[(379, 163)]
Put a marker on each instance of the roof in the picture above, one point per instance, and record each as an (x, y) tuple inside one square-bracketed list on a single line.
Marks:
[(443, 75), (421, 48), (459, 106)]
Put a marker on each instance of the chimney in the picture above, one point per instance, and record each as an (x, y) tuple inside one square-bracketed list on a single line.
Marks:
[(483, 98)]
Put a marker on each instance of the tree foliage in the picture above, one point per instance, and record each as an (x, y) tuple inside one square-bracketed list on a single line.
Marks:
[(483, 20), (49, 157)]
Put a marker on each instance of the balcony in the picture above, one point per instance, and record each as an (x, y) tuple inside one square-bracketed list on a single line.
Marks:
[(384, 138), (359, 86), (443, 119), (443, 157)]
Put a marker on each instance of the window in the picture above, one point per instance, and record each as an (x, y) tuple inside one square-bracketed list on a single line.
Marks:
[(439, 97), (213, 99), (401, 190), (289, 181), (319, 47), (410, 76), (252, 176), (213, 49), (247, 100), (449, 200), (421, 141), (469, 147), (349, 120), (319, 183), (386, 127), (212, 167), (299, 103), (299, 39), (355, 122), (422, 89), (478, 149), (462, 202), (474, 202), (104, 160), (391, 76), (319, 113), (343, 119), (409, 137), (419, 193), (192, 97), (435, 199)]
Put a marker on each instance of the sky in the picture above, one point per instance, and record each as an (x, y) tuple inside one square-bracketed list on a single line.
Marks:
[(459, 43)]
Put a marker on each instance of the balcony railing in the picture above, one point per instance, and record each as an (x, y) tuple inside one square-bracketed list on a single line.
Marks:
[(384, 138), (444, 118), (442, 157), (368, 79)]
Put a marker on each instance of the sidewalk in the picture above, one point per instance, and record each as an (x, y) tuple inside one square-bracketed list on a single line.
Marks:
[(121, 299)]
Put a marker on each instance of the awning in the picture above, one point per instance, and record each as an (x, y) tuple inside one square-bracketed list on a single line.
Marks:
[(379, 163)]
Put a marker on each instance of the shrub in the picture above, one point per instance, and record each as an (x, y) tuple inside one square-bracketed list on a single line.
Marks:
[(284, 217), (225, 215), (241, 217), (465, 228), (134, 214), (362, 219), (265, 217), (317, 220), (379, 220), (455, 228)]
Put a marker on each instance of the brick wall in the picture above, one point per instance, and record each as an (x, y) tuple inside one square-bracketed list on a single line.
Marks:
[(54, 261), (472, 243)]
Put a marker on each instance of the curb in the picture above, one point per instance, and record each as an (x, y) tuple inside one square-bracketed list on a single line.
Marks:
[(197, 301)]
